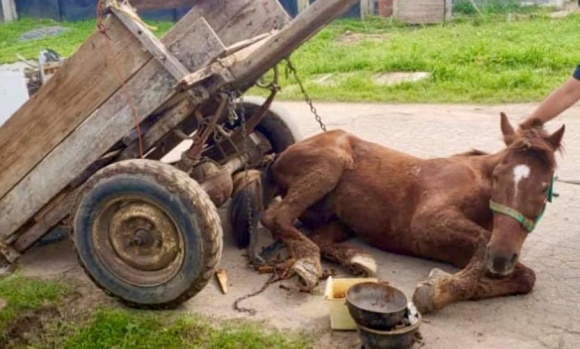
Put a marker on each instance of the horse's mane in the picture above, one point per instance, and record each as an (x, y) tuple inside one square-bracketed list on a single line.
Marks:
[(533, 140), (472, 152)]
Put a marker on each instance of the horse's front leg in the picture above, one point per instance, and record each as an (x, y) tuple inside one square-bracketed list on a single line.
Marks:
[(520, 281), (449, 236)]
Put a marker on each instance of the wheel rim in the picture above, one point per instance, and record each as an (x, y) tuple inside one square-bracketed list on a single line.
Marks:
[(138, 241)]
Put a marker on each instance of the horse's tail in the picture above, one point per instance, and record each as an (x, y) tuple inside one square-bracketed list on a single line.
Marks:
[(253, 192)]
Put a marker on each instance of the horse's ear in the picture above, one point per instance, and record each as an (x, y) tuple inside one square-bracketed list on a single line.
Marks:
[(555, 139), (507, 129)]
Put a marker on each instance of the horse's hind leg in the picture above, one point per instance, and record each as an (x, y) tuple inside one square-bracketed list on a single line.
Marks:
[(328, 239), (302, 192)]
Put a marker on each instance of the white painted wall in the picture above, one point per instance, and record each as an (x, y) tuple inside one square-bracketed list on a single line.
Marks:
[(13, 92), (8, 10)]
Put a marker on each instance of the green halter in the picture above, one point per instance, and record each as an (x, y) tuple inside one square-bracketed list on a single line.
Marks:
[(527, 223)]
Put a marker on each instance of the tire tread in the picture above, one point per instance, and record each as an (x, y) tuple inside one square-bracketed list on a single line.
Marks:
[(179, 183)]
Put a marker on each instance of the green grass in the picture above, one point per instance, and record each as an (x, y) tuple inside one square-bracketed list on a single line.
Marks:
[(492, 7), (495, 58), (65, 44), (123, 329), (103, 328), (474, 60), (24, 294)]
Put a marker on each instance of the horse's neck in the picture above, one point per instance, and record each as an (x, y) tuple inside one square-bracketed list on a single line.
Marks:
[(487, 163)]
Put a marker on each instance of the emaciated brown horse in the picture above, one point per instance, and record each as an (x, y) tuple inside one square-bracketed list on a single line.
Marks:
[(473, 210)]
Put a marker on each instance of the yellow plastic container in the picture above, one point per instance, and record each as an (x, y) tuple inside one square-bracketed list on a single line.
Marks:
[(335, 295)]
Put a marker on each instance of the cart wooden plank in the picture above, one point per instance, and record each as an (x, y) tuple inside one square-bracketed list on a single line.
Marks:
[(154, 45), (170, 121), (79, 87), (247, 65), (237, 20), (272, 16), (151, 86), (282, 44)]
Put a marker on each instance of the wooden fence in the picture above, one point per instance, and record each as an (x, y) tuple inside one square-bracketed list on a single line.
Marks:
[(173, 10)]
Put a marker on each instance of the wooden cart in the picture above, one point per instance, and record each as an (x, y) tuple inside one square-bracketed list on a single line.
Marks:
[(85, 151)]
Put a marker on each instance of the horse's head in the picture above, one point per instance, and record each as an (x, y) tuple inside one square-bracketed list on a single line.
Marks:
[(521, 188)]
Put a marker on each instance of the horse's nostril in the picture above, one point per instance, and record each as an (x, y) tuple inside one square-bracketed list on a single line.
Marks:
[(514, 258), (499, 263)]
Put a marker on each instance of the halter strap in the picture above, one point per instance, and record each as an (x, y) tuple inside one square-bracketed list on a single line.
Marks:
[(527, 223)]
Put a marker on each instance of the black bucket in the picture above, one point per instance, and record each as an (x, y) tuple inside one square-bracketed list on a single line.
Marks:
[(377, 306)]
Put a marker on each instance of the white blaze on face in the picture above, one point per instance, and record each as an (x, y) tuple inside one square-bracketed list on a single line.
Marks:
[(520, 172)]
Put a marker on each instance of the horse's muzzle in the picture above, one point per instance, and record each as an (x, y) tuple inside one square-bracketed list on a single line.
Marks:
[(501, 263)]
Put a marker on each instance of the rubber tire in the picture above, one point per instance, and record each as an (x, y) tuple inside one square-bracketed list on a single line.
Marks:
[(183, 199), (277, 125)]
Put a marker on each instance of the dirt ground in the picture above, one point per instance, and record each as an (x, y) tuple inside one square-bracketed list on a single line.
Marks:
[(544, 319)]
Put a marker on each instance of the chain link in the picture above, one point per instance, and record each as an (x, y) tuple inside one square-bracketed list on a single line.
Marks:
[(242, 117), (291, 68), (234, 116), (272, 279)]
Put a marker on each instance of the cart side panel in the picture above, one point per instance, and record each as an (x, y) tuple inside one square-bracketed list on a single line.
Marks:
[(72, 94), (272, 16), (151, 87), (237, 20)]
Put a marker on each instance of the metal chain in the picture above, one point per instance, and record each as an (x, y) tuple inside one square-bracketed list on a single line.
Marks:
[(232, 115), (272, 279), (291, 68)]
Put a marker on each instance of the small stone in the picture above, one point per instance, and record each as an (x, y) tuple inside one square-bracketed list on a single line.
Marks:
[(396, 78), (3, 304), (42, 32), (6, 269)]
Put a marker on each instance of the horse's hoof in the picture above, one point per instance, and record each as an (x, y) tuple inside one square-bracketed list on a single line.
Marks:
[(437, 273), (363, 265), (308, 271), (424, 296)]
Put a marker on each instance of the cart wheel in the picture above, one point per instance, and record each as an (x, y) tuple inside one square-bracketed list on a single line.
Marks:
[(277, 125), (147, 234)]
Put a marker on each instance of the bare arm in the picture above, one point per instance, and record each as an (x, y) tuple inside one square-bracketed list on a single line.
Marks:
[(557, 102)]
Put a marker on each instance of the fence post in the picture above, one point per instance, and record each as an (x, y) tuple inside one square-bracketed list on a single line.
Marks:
[(302, 5), (366, 8), (9, 10), (448, 9)]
